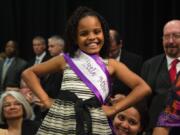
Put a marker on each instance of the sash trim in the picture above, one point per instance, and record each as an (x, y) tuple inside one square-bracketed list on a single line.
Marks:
[(83, 78)]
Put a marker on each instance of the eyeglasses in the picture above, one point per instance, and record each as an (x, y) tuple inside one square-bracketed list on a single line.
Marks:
[(173, 36)]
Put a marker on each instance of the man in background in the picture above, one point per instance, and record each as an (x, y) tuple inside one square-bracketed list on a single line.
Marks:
[(11, 67), (131, 60), (53, 81), (39, 49), (55, 45), (156, 72)]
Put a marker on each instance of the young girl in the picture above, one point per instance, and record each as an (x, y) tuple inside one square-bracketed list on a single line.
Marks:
[(80, 108), (170, 117)]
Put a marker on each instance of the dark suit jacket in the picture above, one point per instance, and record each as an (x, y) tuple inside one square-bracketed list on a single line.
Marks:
[(32, 61), (13, 74), (134, 63), (50, 82), (53, 84), (155, 73), (30, 127)]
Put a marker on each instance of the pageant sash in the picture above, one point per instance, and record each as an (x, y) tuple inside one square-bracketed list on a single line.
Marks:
[(92, 71)]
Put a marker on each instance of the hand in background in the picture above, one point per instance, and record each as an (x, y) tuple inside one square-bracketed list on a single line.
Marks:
[(117, 98)]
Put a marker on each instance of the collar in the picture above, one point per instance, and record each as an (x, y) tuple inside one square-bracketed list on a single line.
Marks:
[(119, 55), (169, 60), (9, 59), (41, 56)]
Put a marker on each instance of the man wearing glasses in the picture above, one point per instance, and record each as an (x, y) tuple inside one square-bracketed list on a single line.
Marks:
[(156, 72)]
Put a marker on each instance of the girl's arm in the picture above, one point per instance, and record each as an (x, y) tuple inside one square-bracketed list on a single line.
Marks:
[(32, 74), (139, 87)]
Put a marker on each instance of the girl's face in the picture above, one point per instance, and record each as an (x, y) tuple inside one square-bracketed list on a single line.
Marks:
[(127, 122), (90, 37), (12, 109)]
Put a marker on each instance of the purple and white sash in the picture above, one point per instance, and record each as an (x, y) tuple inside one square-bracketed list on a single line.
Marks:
[(92, 71)]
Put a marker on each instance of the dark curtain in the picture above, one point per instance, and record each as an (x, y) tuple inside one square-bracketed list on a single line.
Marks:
[(140, 22)]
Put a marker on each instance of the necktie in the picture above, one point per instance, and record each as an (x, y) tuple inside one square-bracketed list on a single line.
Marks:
[(4, 70), (172, 71)]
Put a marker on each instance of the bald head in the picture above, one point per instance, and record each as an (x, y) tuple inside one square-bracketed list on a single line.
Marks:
[(172, 25), (171, 38), (115, 43)]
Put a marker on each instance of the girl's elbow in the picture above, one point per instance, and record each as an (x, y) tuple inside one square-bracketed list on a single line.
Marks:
[(149, 90), (25, 73)]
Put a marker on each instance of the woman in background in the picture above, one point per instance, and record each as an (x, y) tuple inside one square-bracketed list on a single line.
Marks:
[(16, 115)]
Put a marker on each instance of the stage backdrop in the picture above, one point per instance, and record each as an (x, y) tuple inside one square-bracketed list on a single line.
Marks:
[(140, 22)]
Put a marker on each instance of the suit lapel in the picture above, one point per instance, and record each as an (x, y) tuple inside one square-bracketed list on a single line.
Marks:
[(164, 75), (122, 58), (1, 66), (11, 67), (163, 79), (46, 57)]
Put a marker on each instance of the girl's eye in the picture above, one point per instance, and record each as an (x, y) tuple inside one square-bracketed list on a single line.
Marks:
[(97, 31), (83, 33)]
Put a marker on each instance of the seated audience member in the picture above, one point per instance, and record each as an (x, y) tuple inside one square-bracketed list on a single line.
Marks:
[(55, 45), (130, 121), (39, 49), (11, 67), (53, 81), (131, 60), (16, 115)]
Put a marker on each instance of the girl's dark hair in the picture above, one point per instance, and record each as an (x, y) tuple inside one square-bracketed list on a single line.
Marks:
[(71, 31)]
